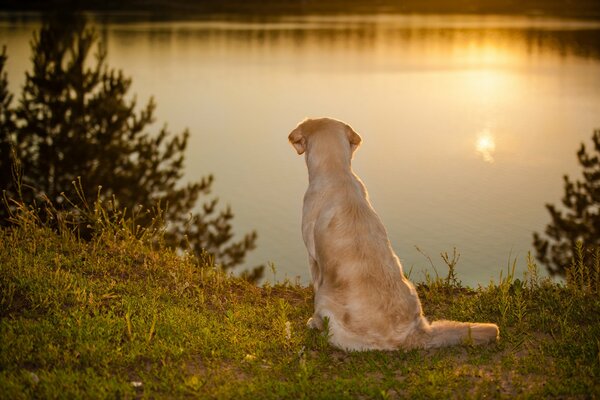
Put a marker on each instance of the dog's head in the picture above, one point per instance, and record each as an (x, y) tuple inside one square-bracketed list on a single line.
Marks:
[(326, 131)]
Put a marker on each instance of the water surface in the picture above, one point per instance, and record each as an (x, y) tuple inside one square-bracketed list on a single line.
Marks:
[(468, 122)]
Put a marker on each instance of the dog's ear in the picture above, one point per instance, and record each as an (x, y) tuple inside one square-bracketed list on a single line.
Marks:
[(353, 137), (298, 140)]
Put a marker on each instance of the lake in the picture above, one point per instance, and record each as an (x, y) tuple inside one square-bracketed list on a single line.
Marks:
[(468, 122)]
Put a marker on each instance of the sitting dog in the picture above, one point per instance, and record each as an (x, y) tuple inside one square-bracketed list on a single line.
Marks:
[(357, 278)]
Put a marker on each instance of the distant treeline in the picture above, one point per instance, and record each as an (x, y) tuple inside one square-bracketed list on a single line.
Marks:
[(574, 8)]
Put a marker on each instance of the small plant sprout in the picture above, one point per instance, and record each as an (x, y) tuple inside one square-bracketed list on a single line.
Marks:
[(288, 330)]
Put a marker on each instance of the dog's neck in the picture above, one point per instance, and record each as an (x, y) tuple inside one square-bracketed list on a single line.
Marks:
[(326, 169)]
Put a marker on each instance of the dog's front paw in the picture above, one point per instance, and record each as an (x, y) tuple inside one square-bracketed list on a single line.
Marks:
[(314, 323)]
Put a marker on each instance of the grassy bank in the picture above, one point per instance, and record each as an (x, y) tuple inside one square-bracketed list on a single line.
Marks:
[(119, 316)]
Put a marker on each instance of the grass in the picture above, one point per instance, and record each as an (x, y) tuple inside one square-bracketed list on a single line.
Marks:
[(119, 316)]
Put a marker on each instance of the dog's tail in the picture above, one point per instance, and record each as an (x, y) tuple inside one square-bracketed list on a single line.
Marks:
[(447, 333)]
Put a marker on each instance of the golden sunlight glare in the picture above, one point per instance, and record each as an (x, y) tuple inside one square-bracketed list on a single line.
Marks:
[(486, 146)]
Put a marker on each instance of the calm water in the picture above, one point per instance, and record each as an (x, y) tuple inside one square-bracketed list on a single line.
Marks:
[(468, 123)]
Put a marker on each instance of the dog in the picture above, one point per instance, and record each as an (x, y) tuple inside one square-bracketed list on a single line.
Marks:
[(362, 297)]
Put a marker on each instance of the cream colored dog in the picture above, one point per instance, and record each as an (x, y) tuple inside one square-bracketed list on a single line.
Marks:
[(357, 278)]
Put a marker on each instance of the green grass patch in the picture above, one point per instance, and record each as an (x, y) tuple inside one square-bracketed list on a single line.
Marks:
[(120, 316)]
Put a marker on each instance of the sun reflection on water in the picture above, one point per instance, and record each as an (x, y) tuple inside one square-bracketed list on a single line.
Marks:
[(485, 146)]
